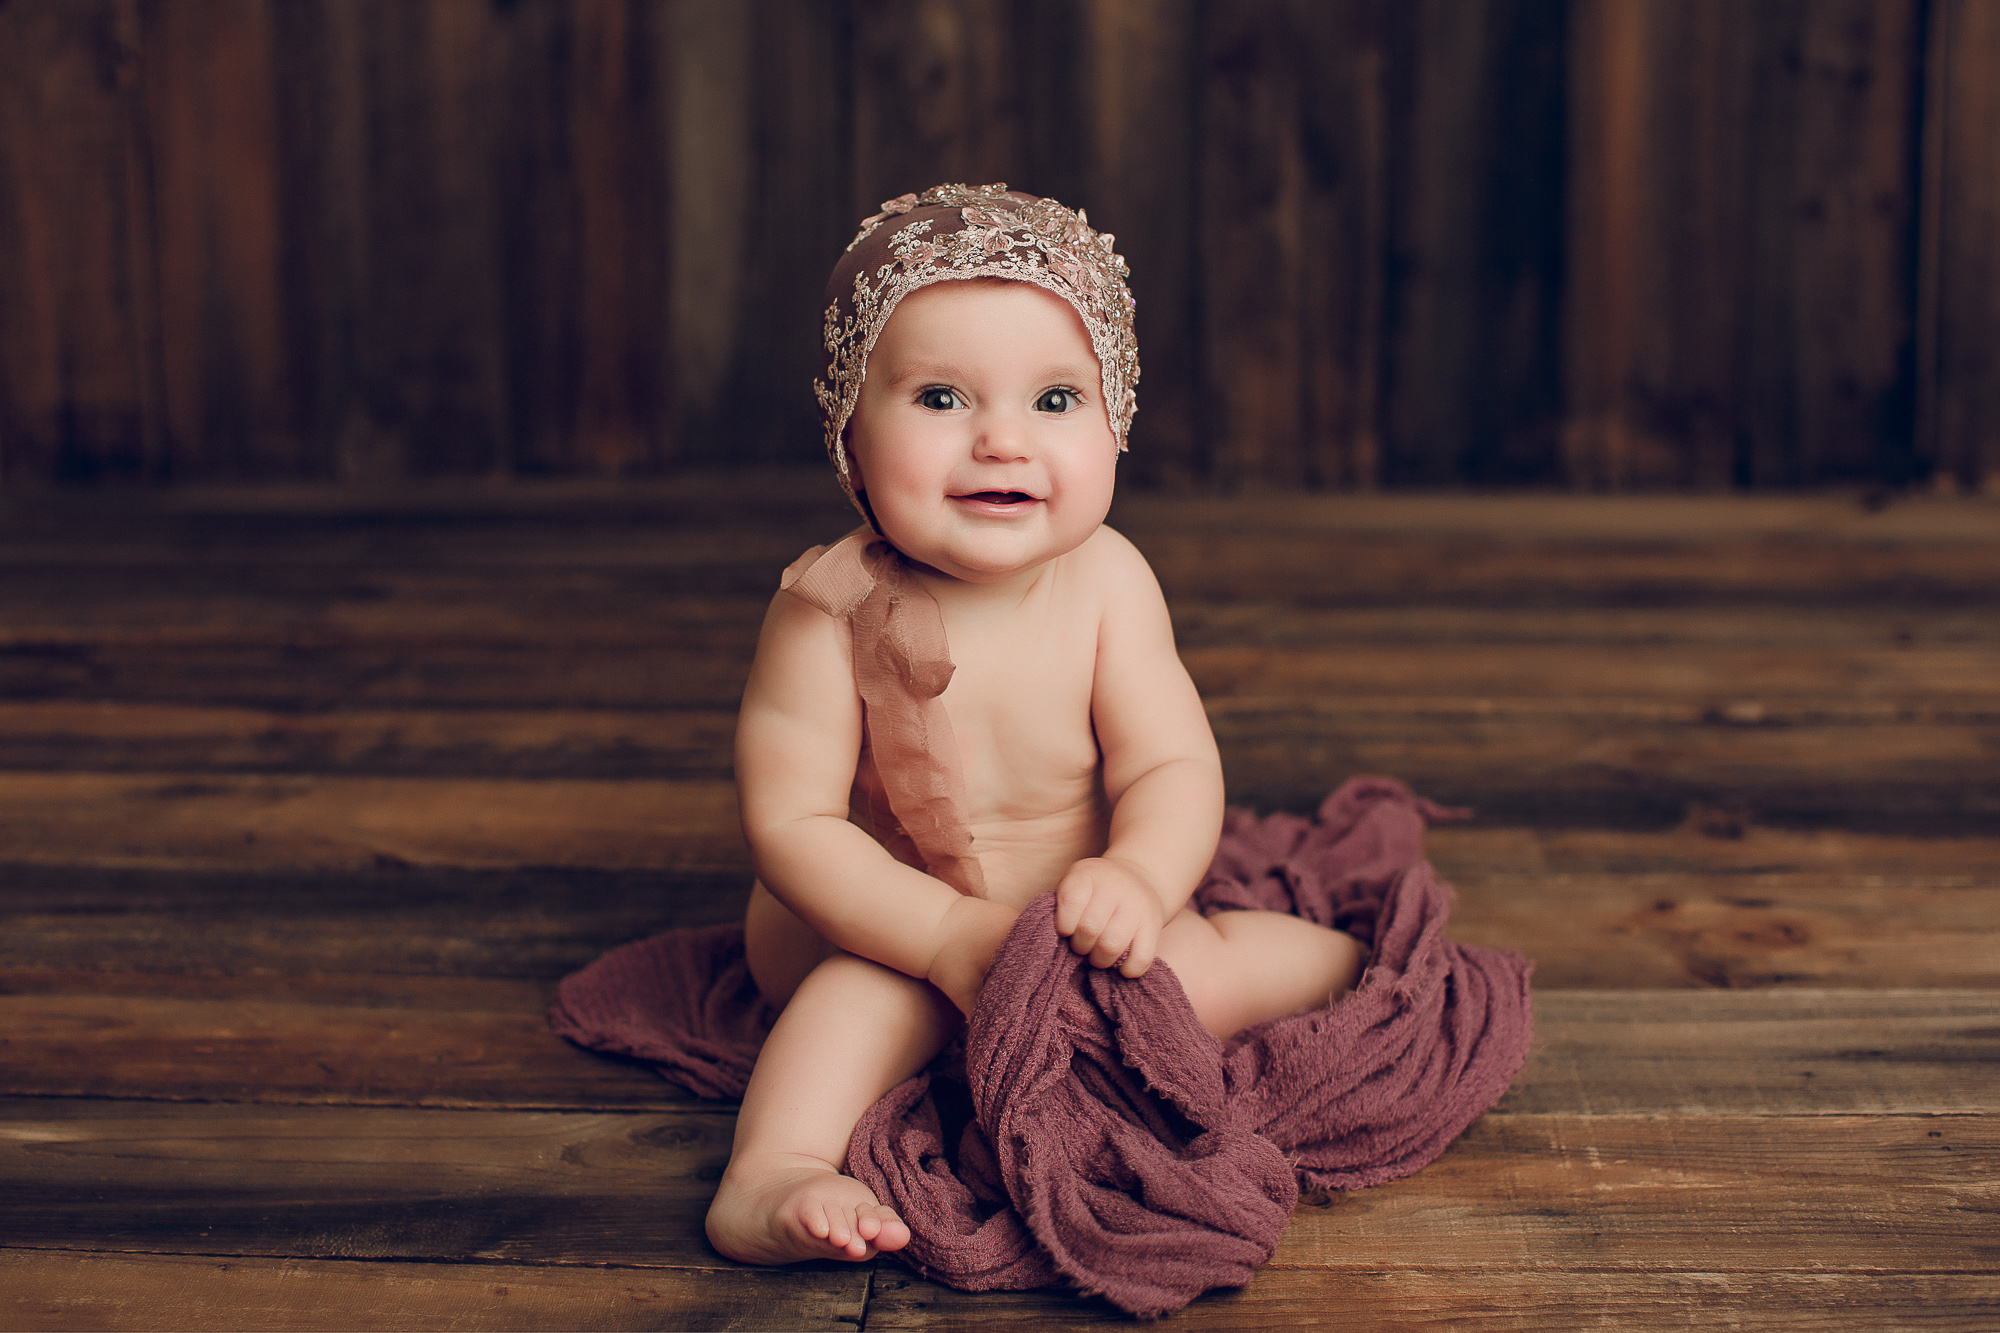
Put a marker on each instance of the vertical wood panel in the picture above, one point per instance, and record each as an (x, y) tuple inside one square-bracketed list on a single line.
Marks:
[(1344, 115), (713, 149), (1250, 247), (1134, 139), (375, 239), (430, 361), (78, 331), (228, 403), (1605, 71), (1959, 426), (1741, 241), (801, 214), (618, 133), (1856, 211), (323, 186), (936, 97)]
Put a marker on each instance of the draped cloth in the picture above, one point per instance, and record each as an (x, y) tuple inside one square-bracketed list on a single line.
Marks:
[(909, 786), (1087, 1130)]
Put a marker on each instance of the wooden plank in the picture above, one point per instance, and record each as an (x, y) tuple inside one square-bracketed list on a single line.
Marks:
[(1557, 1193), (1250, 270), (408, 923), (1741, 926), (1622, 763), (1473, 339), (1958, 393), (585, 236), (110, 737), (79, 333), (1563, 769), (223, 821), (428, 355), (800, 100), (1133, 80), (301, 823), (1741, 207), (213, 136), (1651, 525), (1733, 927), (1415, 1301), (274, 1052), (405, 1042), (1677, 551), (296, 822), (1327, 570), (54, 1291), (1961, 673), (775, 500), (1717, 842), (1519, 1193), (1854, 213), (1687, 1053), (361, 1183), (1746, 928), (936, 97), (329, 672), (315, 606)]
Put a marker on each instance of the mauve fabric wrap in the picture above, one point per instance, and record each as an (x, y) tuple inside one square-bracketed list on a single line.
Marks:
[(1088, 1131)]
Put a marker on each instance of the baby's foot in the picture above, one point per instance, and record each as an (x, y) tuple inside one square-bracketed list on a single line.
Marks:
[(782, 1210)]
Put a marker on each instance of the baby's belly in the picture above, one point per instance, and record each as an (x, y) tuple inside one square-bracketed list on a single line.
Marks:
[(1023, 856)]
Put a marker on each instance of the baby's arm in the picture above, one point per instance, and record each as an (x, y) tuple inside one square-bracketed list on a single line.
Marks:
[(1161, 771), (798, 737)]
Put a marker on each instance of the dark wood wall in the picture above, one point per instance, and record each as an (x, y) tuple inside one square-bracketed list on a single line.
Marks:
[(1602, 243)]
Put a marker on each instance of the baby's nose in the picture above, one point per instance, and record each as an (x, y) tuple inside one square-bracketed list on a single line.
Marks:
[(995, 448)]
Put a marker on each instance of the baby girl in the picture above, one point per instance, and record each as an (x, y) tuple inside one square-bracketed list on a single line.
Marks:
[(904, 801)]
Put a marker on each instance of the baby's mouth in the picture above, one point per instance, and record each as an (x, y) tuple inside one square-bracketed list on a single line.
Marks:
[(1000, 497)]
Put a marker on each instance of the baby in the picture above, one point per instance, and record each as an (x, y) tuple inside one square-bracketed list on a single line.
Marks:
[(903, 802)]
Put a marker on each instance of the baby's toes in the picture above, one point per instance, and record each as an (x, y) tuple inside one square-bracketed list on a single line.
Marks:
[(880, 1225)]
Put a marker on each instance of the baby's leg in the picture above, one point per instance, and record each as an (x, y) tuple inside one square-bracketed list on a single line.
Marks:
[(852, 1030), (1241, 968)]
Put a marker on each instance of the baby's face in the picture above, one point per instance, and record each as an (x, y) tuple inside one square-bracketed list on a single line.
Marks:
[(981, 436)]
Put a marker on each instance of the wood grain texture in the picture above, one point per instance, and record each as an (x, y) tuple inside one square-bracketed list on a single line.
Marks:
[(305, 823), (1498, 241), (1412, 1302), (354, 1183), (1852, 762), (1748, 929), (1519, 1193), (274, 949), (462, 1044), (214, 144), (532, 924), (122, 1291), (1959, 261), (1471, 381), (79, 323), (1740, 304)]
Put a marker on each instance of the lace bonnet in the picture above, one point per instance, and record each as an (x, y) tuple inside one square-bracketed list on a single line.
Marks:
[(972, 231)]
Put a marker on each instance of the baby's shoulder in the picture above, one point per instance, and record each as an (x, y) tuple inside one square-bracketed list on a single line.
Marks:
[(1108, 563)]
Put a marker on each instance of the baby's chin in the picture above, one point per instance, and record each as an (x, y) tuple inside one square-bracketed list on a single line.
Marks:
[(995, 557)]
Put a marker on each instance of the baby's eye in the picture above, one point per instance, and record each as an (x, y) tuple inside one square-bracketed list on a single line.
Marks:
[(1058, 401), (940, 400)]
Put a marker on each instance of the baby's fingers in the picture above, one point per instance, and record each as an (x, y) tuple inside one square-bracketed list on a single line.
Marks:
[(1114, 941), (1072, 899), (1139, 956)]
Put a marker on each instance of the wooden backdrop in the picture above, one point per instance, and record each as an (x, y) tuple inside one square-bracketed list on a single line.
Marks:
[(1601, 243)]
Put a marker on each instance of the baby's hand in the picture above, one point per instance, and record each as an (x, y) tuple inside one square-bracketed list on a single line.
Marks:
[(1109, 911)]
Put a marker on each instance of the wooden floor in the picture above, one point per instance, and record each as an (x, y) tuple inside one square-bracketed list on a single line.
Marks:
[(306, 800)]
